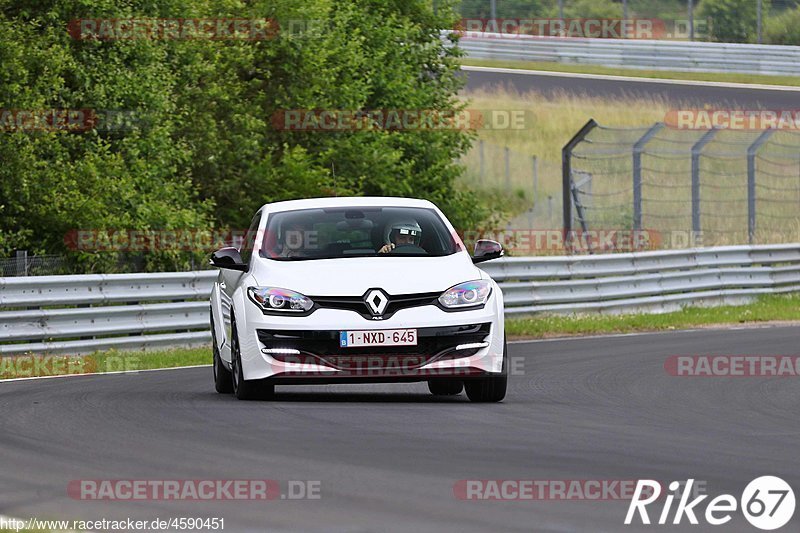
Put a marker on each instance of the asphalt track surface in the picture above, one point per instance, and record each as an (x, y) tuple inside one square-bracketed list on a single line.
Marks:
[(692, 93), (387, 456)]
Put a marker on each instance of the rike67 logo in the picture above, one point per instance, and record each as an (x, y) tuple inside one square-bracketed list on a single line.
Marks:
[(767, 503)]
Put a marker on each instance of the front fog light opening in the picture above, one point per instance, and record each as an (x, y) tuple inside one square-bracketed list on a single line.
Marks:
[(280, 351), (472, 346)]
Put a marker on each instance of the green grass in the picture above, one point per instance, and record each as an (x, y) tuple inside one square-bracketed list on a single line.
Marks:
[(611, 71), (108, 361), (114, 360), (769, 308), (772, 308)]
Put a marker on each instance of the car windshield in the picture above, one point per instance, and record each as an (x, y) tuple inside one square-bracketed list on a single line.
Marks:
[(356, 232)]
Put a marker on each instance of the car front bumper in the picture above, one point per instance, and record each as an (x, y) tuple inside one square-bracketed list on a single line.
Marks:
[(293, 349)]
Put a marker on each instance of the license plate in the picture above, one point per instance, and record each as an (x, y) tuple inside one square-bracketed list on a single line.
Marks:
[(378, 337)]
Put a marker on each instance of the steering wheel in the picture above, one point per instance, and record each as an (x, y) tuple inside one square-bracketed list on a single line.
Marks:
[(408, 249)]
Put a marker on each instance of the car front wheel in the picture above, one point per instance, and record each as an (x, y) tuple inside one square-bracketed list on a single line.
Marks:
[(222, 376), (245, 389), (490, 389)]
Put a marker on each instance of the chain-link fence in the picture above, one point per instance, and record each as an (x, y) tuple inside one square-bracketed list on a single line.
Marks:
[(767, 21), (687, 187), (518, 177), (24, 264)]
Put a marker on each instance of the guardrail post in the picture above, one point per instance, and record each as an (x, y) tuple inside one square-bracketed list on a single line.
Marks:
[(751, 182), (638, 148), (566, 176), (697, 151)]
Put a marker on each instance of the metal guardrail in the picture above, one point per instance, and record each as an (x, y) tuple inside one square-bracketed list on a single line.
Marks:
[(122, 311), (633, 53), (646, 281), (136, 311)]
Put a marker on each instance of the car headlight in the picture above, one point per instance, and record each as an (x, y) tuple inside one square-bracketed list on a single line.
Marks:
[(282, 300), (468, 294)]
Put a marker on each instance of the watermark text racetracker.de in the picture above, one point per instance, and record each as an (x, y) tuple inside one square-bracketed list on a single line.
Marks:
[(418, 120), (579, 28), (71, 120), (544, 489), (193, 489), (45, 365), (732, 365), (733, 119), (174, 29), (522, 241)]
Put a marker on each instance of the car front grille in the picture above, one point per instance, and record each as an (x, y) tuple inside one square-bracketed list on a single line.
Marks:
[(323, 346), (358, 305)]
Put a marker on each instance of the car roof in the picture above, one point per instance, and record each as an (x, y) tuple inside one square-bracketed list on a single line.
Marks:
[(346, 201)]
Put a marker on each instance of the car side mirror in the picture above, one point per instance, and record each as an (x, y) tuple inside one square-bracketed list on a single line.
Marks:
[(486, 250), (228, 257)]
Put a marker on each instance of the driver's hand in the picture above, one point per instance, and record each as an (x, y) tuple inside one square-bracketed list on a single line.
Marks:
[(386, 248)]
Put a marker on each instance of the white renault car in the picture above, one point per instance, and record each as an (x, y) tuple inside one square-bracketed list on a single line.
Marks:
[(357, 290)]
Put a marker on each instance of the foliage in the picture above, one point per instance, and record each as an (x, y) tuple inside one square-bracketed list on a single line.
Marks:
[(783, 28), (201, 149), (592, 9), (731, 21)]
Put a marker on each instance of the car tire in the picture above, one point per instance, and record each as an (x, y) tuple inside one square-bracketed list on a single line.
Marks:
[(223, 382), (245, 389), (491, 389), (445, 387)]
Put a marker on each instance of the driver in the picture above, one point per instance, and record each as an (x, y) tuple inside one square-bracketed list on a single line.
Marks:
[(295, 237), (401, 233)]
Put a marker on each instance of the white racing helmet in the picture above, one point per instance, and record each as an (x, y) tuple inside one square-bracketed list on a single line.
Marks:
[(403, 227)]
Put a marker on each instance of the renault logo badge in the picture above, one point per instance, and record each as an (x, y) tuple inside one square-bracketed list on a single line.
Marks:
[(376, 301)]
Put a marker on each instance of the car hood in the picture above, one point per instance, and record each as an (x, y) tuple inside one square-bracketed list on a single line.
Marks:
[(353, 276)]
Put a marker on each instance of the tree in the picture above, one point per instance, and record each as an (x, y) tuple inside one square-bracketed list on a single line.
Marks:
[(202, 149), (731, 21), (783, 28)]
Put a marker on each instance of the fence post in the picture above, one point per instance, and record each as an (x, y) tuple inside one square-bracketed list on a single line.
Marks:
[(566, 176), (697, 150), (535, 181), (482, 164), (759, 33), (508, 170), (580, 209), (22, 263), (751, 182), (638, 148)]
